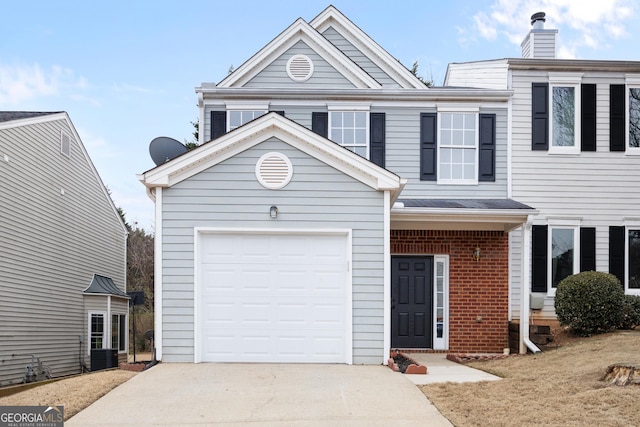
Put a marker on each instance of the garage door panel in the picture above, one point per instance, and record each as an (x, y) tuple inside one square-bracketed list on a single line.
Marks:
[(274, 298), (263, 345)]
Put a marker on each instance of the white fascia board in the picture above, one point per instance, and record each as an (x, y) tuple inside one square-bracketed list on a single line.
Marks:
[(300, 31), (510, 217), (482, 97), (354, 35), (9, 124), (259, 130)]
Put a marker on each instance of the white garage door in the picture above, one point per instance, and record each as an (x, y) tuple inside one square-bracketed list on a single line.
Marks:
[(274, 298)]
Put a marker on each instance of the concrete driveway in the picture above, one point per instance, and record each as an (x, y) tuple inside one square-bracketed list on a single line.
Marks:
[(174, 394)]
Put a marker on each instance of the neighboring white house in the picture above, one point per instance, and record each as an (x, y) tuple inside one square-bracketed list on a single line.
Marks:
[(575, 156), (62, 250), (335, 209)]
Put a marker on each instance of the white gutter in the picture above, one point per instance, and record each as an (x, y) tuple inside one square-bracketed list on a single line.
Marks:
[(525, 287)]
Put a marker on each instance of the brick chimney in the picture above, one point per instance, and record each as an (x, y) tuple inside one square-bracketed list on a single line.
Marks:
[(539, 43)]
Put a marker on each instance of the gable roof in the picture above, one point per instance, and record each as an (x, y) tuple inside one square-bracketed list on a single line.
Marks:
[(6, 116), (287, 131), (332, 17), (300, 31), (102, 285), (14, 119)]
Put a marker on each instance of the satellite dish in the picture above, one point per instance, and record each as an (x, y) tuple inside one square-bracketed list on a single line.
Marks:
[(163, 149)]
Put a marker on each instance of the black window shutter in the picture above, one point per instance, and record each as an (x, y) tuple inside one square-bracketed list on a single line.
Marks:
[(617, 117), (616, 252), (428, 138), (278, 112), (487, 140), (320, 123), (587, 249), (588, 118), (540, 116), (377, 138), (218, 123), (539, 236)]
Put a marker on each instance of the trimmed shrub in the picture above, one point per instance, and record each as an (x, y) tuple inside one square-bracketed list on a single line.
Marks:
[(630, 312), (590, 302)]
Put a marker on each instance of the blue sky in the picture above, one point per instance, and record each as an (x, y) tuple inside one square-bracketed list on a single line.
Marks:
[(125, 71)]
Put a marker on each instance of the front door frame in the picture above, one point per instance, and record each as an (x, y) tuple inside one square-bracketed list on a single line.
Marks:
[(440, 341)]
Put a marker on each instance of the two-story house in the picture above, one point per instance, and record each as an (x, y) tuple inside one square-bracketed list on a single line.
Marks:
[(574, 138), (62, 251), (335, 209)]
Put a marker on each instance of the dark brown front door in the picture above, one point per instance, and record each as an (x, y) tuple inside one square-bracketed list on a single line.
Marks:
[(411, 301)]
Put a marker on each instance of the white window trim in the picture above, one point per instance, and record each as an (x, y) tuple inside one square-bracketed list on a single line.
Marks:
[(631, 225), (105, 321), (126, 334), (571, 224), (229, 110), (632, 83), (244, 106), (446, 109), (575, 149), (351, 107), (441, 343)]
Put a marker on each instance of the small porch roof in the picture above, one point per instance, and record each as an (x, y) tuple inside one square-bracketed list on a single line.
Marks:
[(459, 214), (102, 285)]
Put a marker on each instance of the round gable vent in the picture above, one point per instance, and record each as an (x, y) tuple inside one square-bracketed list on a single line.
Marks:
[(300, 68), (274, 171)]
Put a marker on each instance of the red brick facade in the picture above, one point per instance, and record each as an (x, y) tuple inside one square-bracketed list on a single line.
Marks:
[(478, 290)]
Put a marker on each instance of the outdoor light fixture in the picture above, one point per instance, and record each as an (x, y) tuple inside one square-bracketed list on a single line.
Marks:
[(476, 254), (273, 211)]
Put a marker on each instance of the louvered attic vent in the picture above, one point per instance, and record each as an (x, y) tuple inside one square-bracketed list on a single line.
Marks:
[(300, 68), (274, 171)]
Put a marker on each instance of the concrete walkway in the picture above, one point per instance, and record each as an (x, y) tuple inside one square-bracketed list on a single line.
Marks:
[(441, 370), (175, 394)]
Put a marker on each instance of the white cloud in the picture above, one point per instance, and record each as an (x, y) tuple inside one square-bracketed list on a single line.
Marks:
[(20, 83), (590, 24)]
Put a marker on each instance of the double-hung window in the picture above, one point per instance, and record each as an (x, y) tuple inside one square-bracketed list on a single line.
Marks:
[(564, 113), (350, 128), (563, 249), (458, 148), (237, 118), (97, 330), (633, 112), (560, 249), (633, 261)]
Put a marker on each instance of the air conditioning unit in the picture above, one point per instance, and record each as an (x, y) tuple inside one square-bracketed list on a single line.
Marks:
[(104, 358)]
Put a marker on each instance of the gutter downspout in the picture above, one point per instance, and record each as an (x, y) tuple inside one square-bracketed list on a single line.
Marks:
[(525, 289)]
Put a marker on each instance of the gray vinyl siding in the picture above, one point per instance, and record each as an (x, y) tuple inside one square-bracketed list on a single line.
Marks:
[(359, 57), (228, 195), (403, 157), (51, 245), (403, 149), (598, 188), (275, 74)]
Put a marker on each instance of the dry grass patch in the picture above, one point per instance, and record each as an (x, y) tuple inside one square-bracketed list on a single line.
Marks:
[(75, 393), (562, 387)]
